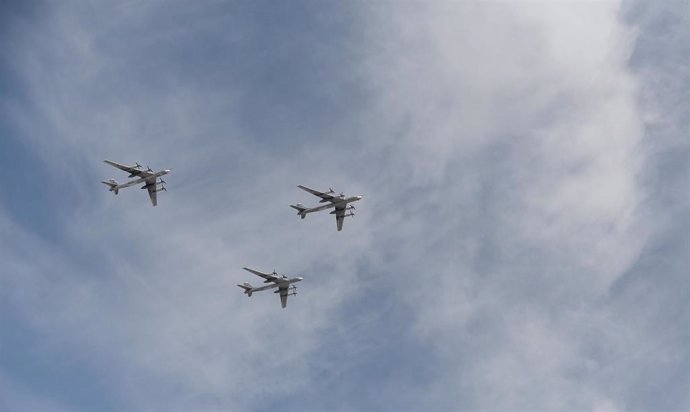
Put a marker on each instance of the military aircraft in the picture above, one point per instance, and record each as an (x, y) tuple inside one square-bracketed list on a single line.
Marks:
[(283, 283), (148, 177), (339, 202)]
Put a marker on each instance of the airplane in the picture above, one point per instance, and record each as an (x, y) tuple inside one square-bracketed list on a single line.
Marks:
[(340, 203), (283, 283), (148, 177)]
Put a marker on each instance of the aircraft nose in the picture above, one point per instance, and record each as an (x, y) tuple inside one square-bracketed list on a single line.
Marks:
[(300, 278), (167, 171), (359, 197)]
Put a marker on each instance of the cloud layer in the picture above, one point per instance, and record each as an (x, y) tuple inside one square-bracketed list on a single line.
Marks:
[(500, 259)]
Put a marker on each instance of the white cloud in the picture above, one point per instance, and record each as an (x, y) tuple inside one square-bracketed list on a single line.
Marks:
[(497, 145), (521, 127)]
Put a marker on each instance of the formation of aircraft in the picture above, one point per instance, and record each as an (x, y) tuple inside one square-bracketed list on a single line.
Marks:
[(286, 286), (146, 176), (340, 203)]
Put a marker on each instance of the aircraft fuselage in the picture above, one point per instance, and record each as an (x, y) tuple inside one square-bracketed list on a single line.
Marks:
[(142, 179), (330, 205), (280, 283)]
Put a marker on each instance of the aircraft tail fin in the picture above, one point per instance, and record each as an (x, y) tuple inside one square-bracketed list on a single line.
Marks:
[(247, 288), (300, 210), (112, 184)]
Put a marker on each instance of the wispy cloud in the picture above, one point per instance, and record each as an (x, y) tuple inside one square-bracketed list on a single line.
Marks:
[(500, 148)]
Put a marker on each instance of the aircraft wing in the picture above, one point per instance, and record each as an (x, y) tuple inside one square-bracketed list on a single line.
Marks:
[(267, 276), (151, 187), (322, 195), (133, 171), (283, 290), (340, 216)]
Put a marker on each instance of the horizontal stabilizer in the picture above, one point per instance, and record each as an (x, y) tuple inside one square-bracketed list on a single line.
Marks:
[(112, 184), (247, 288), (300, 209)]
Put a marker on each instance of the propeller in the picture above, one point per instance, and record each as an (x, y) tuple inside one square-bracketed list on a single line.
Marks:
[(149, 169), (138, 166), (330, 190), (162, 181)]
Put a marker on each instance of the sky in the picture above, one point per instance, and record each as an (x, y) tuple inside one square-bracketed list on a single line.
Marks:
[(523, 242)]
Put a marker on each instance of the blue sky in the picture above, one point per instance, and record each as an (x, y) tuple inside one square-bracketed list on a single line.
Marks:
[(523, 243)]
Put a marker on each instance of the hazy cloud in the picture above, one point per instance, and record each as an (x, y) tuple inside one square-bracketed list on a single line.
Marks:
[(498, 261)]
